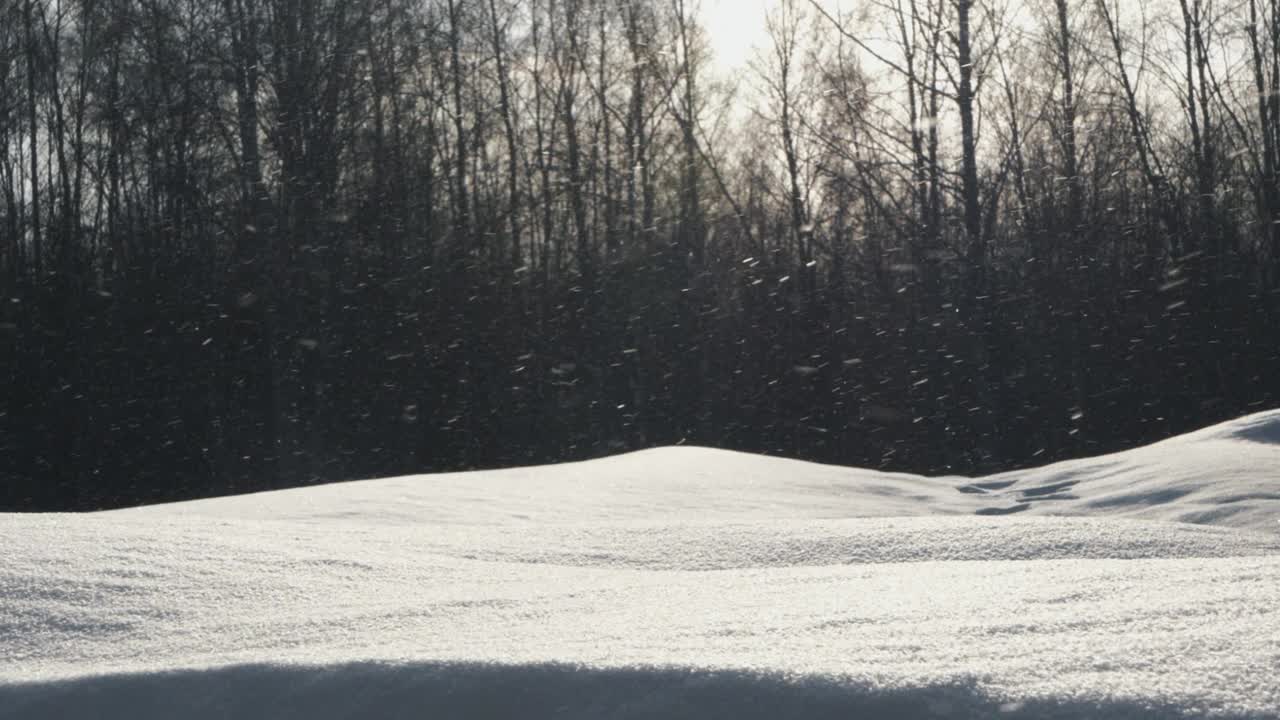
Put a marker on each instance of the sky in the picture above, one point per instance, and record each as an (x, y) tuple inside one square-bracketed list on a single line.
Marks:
[(734, 27)]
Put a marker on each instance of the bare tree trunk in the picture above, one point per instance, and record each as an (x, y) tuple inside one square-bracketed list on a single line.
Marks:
[(115, 142), (1070, 155), (640, 190), (691, 221), (551, 250), (976, 243), (509, 130), (567, 99), (609, 198), (1269, 197), (908, 34), (935, 103), (67, 215), (1198, 141), (462, 210), (32, 63)]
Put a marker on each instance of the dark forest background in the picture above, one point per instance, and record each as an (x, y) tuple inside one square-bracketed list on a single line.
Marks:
[(252, 244)]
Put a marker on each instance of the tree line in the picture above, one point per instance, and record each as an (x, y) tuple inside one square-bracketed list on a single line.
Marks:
[(252, 244)]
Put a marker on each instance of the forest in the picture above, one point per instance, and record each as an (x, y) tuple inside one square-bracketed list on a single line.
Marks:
[(255, 244)]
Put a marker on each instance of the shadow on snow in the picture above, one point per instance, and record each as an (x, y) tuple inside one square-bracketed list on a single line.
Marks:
[(491, 691)]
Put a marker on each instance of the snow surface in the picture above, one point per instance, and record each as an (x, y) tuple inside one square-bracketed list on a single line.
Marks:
[(672, 583)]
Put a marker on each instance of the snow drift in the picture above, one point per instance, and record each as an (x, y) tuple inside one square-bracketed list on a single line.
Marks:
[(680, 582)]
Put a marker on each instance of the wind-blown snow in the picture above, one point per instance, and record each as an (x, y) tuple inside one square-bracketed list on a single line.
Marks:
[(681, 582)]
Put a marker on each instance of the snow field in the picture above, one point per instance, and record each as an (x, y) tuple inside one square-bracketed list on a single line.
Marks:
[(673, 583)]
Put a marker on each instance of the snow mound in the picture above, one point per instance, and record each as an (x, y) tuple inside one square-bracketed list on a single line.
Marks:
[(1263, 427), (1226, 475), (673, 583), (672, 482)]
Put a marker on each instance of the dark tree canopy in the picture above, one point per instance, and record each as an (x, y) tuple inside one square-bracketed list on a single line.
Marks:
[(252, 244)]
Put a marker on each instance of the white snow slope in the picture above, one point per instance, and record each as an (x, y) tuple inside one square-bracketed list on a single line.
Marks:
[(673, 583)]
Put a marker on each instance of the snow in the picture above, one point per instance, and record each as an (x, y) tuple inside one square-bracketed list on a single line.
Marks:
[(672, 583)]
